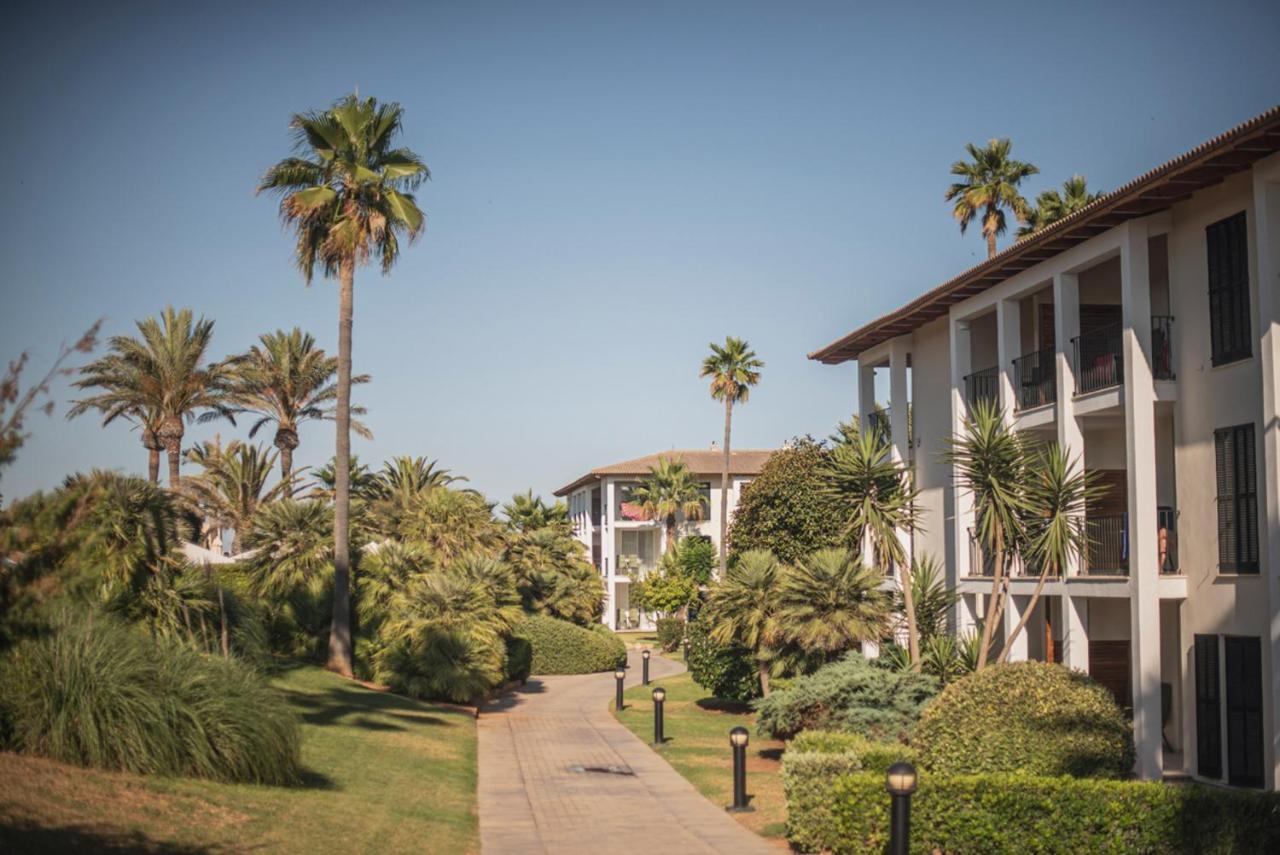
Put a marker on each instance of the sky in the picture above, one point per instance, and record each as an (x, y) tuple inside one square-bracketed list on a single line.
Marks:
[(613, 188)]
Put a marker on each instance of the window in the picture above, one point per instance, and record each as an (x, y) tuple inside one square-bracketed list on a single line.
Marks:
[(1208, 708), (1237, 499), (1228, 249)]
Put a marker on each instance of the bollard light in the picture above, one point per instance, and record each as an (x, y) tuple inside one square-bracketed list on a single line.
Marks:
[(901, 782), (686, 650), (659, 697), (738, 739), (644, 655), (618, 676)]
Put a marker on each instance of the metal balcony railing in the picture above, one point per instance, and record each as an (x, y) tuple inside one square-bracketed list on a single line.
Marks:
[(1033, 379), (1167, 543), (1162, 347), (982, 385), (878, 420), (1108, 550), (1098, 361)]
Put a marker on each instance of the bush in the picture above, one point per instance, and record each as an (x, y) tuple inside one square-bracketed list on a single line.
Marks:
[(872, 756), (850, 695), (560, 647), (786, 508), (697, 557), (96, 693), (670, 633), (519, 659), (1023, 813), (1031, 717), (726, 671)]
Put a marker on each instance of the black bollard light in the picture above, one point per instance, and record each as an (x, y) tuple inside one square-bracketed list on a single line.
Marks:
[(738, 739), (901, 783), (644, 655), (659, 697), (618, 677), (686, 650)]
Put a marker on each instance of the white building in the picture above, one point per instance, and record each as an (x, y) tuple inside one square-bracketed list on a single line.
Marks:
[(623, 546), (1143, 335)]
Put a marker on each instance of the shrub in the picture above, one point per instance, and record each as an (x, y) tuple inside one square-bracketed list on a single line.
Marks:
[(1022, 813), (560, 647), (872, 756), (786, 508), (697, 556), (1031, 717), (725, 670), (96, 693), (519, 659), (850, 695), (670, 633)]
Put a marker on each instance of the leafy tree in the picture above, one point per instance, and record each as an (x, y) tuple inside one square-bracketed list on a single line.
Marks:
[(670, 493), (286, 381), (349, 199), (733, 369), (1051, 206), (830, 602), (785, 509), (988, 186), (696, 557), (668, 591), (744, 608)]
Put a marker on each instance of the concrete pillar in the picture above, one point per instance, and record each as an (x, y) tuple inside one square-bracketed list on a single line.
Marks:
[(1140, 459), (1075, 633), (1266, 223), (866, 392), (608, 558), (899, 355), (1009, 347), (1015, 607), (962, 521), (1066, 326)]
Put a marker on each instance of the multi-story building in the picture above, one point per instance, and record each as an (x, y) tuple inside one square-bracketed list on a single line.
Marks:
[(625, 547), (1142, 334)]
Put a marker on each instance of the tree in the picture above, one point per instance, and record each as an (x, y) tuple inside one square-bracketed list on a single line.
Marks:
[(879, 502), (553, 575), (670, 492), (363, 482), (733, 369), (932, 600), (988, 186), (287, 380), (348, 196), (1051, 206), (527, 512), (744, 608), (830, 602), (785, 508), (233, 484)]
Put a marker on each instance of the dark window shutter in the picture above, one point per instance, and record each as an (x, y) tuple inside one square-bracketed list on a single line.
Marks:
[(1227, 244), (1236, 464), (1208, 708), (1244, 711)]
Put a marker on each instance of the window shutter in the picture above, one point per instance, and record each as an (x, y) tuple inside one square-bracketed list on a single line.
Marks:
[(1244, 711), (1208, 708), (1224, 454), (1227, 245)]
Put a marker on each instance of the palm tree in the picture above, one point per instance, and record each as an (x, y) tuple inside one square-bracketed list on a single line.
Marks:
[(990, 462), (287, 380), (830, 601), (292, 549), (403, 478), (233, 485), (363, 482), (124, 394), (667, 494), (733, 370), (527, 512), (348, 197), (988, 186), (744, 608), (879, 499), (1051, 207)]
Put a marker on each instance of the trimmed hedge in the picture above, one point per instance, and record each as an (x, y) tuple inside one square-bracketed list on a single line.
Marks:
[(1030, 717), (726, 671), (1023, 813), (560, 647), (670, 633), (872, 756)]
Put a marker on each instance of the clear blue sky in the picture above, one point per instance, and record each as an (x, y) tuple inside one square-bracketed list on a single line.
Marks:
[(613, 189)]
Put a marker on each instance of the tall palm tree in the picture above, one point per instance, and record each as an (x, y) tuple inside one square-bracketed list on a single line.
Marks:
[(124, 393), (670, 492), (1051, 206), (988, 186), (287, 380), (744, 608), (348, 196), (830, 601), (879, 501), (733, 369), (233, 484)]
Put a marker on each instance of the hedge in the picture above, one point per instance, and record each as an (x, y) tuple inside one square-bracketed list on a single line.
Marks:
[(1023, 813), (670, 633), (727, 671), (560, 647)]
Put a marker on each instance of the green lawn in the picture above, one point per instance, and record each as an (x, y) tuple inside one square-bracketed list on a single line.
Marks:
[(697, 733), (638, 636), (383, 774)]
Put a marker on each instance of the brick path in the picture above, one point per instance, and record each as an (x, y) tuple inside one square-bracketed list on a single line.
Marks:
[(530, 800)]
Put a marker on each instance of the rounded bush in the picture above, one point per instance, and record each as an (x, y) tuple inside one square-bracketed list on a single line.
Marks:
[(519, 659), (104, 695), (1031, 717), (727, 671), (670, 633), (560, 647)]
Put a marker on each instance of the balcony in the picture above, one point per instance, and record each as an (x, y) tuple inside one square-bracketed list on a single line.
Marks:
[(1107, 553), (1097, 359), (1034, 382), (982, 385), (878, 421), (1162, 347)]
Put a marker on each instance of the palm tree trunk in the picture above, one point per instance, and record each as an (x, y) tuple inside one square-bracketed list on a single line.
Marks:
[(671, 534), (1026, 615), (991, 244), (153, 465), (762, 668), (988, 625), (175, 459), (909, 605), (222, 609), (340, 655), (286, 462), (724, 487)]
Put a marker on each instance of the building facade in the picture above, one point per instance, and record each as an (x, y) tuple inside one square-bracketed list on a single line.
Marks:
[(624, 547), (1142, 335)]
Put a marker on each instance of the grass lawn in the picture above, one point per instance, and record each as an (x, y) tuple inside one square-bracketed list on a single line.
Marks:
[(383, 774), (638, 636), (697, 732)]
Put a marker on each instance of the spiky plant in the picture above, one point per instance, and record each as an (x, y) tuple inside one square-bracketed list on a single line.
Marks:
[(830, 602), (988, 187), (744, 608)]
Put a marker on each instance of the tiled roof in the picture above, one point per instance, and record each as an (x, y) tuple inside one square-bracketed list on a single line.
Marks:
[(1206, 164), (700, 462)]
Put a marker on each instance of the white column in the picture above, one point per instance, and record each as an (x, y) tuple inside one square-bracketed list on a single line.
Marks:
[(899, 354), (1266, 220), (1009, 347), (608, 557), (1015, 607), (1075, 633), (1140, 459), (1066, 326), (962, 500), (866, 392)]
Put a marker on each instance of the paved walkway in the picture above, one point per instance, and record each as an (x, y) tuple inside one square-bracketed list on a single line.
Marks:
[(531, 798)]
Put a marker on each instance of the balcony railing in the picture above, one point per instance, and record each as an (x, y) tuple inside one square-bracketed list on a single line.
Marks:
[(1162, 347), (1167, 543), (1108, 550), (982, 385), (1034, 382), (1098, 361), (982, 564), (878, 420)]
